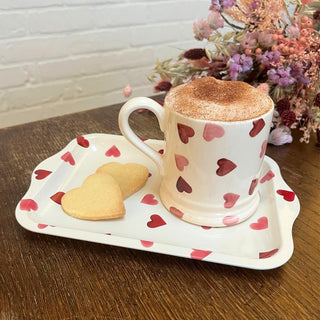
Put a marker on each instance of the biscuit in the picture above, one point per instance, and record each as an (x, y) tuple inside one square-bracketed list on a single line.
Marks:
[(98, 198), (130, 176)]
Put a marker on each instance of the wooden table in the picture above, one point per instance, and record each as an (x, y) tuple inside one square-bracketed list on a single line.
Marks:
[(48, 277)]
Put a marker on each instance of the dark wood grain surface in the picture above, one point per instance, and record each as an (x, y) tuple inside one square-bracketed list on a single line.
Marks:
[(48, 277)]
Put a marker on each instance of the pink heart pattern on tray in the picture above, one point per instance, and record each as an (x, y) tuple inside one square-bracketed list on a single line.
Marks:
[(157, 221)]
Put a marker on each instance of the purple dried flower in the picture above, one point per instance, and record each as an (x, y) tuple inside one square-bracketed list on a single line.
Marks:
[(239, 63), (270, 58), (220, 5), (281, 76), (298, 71), (255, 4)]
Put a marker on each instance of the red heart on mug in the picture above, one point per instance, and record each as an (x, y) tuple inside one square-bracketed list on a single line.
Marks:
[(83, 142), (57, 197), (185, 132), (212, 131), (230, 200), (199, 254), (253, 186), (28, 205), (262, 223), (225, 166), (41, 174), (181, 161), (258, 125), (268, 176), (286, 194), (155, 221), (149, 199), (113, 152), (176, 212), (183, 186)]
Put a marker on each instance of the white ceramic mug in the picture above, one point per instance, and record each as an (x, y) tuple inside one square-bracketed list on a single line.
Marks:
[(210, 169)]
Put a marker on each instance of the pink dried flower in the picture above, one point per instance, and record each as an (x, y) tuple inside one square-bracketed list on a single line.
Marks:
[(127, 91), (215, 21), (293, 32), (266, 39), (280, 136), (201, 29), (249, 41), (264, 87)]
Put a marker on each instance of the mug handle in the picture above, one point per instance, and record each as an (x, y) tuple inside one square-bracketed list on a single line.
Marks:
[(124, 114)]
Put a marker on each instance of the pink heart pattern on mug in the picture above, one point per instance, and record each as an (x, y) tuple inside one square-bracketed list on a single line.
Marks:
[(178, 213), (225, 166), (212, 131), (185, 132), (253, 186), (183, 186), (263, 148), (258, 125), (181, 161), (230, 199)]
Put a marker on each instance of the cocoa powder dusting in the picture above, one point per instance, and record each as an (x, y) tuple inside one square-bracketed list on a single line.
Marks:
[(211, 99)]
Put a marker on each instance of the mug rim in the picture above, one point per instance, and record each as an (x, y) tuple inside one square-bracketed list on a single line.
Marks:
[(266, 114)]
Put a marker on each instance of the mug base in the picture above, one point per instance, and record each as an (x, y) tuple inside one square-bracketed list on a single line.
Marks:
[(206, 217)]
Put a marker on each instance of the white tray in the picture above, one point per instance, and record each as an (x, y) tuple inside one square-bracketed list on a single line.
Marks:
[(262, 242)]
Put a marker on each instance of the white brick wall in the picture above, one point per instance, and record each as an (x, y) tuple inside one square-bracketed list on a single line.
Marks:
[(64, 56)]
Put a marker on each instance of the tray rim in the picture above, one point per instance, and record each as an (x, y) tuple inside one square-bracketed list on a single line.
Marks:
[(280, 258)]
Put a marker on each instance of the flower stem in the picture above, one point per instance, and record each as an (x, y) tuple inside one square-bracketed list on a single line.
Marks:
[(230, 24)]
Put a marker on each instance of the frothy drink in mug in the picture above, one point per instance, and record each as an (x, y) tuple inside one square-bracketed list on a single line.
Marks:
[(215, 140)]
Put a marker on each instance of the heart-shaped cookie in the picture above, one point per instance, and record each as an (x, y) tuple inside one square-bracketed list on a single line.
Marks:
[(130, 176), (98, 198)]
